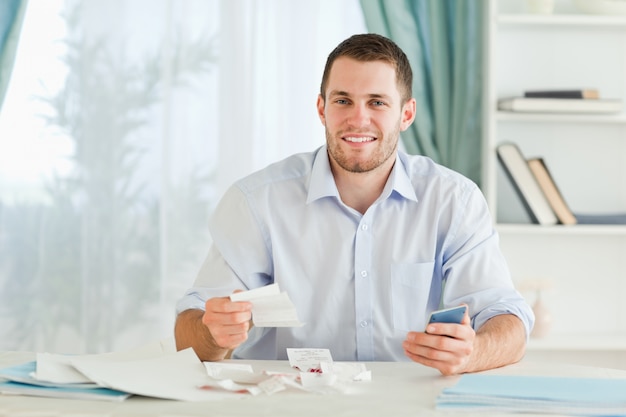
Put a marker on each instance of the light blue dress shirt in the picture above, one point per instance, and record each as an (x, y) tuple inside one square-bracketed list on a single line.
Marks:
[(359, 282)]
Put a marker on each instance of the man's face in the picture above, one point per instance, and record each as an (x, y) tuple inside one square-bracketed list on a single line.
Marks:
[(363, 114)]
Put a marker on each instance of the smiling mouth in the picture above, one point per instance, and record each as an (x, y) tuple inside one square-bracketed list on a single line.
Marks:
[(361, 139)]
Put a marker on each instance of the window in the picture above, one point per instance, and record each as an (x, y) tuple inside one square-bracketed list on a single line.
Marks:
[(119, 132)]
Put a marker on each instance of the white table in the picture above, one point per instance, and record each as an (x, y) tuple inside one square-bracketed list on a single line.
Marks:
[(396, 390)]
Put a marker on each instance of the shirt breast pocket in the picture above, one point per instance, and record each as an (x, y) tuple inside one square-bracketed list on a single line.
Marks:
[(410, 290)]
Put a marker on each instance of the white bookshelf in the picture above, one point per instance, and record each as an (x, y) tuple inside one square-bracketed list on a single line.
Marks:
[(584, 265)]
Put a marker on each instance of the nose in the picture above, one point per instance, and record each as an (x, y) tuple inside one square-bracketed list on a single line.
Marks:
[(359, 115)]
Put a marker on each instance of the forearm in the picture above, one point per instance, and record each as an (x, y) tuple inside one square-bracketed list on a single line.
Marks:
[(500, 341), (189, 331)]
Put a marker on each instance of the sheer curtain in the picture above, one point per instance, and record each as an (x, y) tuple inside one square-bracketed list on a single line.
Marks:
[(122, 125), (272, 63)]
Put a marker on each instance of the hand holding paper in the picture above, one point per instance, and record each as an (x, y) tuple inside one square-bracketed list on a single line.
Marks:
[(270, 307)]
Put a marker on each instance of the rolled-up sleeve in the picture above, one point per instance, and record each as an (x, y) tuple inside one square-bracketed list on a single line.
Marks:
[(476, 272)]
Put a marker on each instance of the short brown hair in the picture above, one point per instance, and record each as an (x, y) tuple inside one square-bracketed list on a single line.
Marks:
[(373, 47)]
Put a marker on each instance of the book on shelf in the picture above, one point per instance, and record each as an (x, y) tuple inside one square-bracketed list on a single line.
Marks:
[(526, 186), (563, 212), (551, 191), (601, 218), (589, 94), (541, 197), (558, 105)]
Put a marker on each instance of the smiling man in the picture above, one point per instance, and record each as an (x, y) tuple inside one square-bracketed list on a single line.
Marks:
[(365, 239)]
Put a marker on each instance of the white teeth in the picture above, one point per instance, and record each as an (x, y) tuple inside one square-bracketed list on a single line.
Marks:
[(360, 140)]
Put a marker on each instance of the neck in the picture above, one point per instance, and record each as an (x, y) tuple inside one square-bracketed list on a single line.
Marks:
[(359, 190)]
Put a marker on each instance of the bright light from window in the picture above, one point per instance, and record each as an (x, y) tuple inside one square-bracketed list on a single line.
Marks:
[(30, 150)]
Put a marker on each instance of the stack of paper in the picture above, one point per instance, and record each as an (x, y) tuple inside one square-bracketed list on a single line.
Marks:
[(531, 394), (20, 381), (113, 376)]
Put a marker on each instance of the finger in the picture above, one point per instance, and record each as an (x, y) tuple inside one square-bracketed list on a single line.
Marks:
[(447, 362), (229, 336), (453, 330), (221, 311), (231, 330), (466, 318), (428, 356), (431, 345), (444, 367), (226, 318), (225, 305)]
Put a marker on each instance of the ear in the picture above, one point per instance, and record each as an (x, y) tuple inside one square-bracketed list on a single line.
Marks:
[(408, 114), (320, 109)]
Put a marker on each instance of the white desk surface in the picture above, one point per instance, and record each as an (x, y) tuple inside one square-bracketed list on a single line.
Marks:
[(397, 389)]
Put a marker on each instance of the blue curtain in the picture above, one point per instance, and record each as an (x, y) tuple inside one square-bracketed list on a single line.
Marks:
[(443, 41), (11, 17)]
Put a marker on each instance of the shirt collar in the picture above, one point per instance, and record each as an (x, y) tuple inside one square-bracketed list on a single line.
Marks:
[(399, 180), (322, 184)]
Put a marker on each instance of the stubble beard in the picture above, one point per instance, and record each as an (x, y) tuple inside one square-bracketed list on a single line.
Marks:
[(380, 156)]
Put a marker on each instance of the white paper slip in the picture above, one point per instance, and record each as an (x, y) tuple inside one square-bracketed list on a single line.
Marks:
[(57, 368), (241, 373), (24, 374), (308, 360), (347, 371), (270, 307), (175, 376), (249, 295), (315, 380)]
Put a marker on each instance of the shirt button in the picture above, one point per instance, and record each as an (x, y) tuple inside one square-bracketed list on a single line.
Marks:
[(363, 323), (363, 227), (364, 274)]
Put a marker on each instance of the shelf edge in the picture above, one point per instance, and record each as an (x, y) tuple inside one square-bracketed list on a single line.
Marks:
[(580, 229), (502, 116), (561, 20), (578, 343)]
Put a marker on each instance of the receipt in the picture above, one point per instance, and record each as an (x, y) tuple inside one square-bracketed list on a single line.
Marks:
[(270, 307), (308, 360)]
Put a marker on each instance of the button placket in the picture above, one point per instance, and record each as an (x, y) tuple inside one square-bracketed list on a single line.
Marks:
[(363, 291)]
